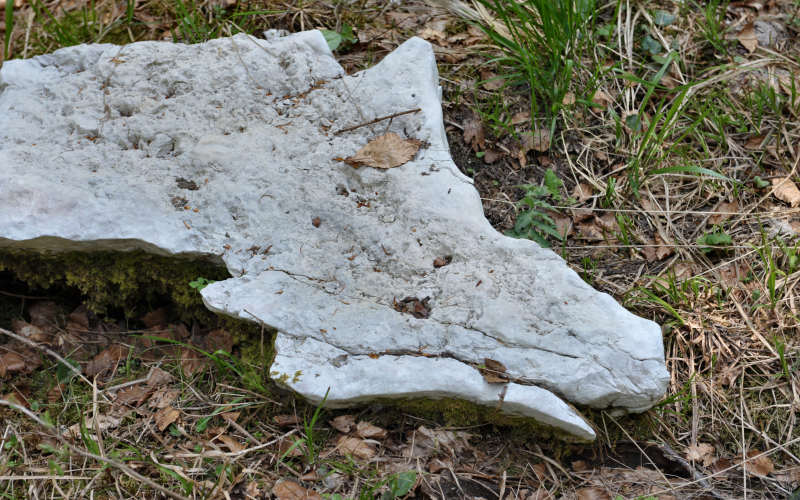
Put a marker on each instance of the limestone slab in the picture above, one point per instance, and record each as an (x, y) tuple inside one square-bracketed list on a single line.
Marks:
[(230, 150)]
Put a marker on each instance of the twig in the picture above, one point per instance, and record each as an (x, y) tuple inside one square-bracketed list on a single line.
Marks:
[(74, 449), (376, 120)]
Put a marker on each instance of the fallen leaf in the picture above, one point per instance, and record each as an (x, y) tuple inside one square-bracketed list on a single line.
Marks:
[(289, 490), (155, 318), (425, 442), (790, 475), (760, 466), (386, 151), (491, 81), (491, 156), (291, 448), (231, 443), (30, 331), (474, 134), (747, 37), (569, 99), (521, 117), (44, 313), (162, 398), (700, 452), (103, 422), (166, 416), (658, 250), (106, 360), (11, 362), (538, 140), (133, 396), (754, 142), (286, 420), (157, 377), (433, 35), (601, 98), (582, 192), (723, 212), (357, 447), (786, 190), (494, 372), (540, 494), (368, 431), (219, 340), (192, 361), (563, 223), (592, 494), (343, 423)]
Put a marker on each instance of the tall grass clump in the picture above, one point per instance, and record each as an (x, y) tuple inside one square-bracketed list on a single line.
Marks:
[(542, 42)]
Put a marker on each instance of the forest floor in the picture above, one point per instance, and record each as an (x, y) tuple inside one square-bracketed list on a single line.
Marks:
[(656, 150)]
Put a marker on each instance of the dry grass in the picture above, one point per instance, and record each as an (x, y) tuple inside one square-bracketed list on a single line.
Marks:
[(636, 215)]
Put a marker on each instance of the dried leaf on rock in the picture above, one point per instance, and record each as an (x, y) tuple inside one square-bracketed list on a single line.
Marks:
[(357, 447), (759, 465), (723, 212), (289, 490), (747, 37), (166, 416), (368, 431), (786, 190), (494, 372), (343, 423), (106, 360), (700, 452), (386, 151)]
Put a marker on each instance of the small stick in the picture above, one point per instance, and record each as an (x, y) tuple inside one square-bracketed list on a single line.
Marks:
[(376, 120)]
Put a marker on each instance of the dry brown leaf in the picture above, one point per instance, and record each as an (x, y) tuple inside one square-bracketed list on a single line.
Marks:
[(786, 190), (438, 464), (343, 423), (601, 98), (754, 142), (11, 362), (219, 340), (569, 99), (133, 396), (289, 490), (540, 494), (521, 117), (162, 398), (563, 223), (291, 448), (790, 475), (103, 422), (286, 420), (723, 212), (357, 447), (368, 431), (44, 313), (660, 249), (30, 331), (494, 372), (492, 155), (155, 318), (592, 494), (158, 377), (490, 80), (192, 361), (700, 452), (474, 134), (747, 37), (590, 231), (760, 466), (433, 35), (538, 140), (231, 443), (582, 191), (428, 442), (166, 416), (385, 151), (106, 360)]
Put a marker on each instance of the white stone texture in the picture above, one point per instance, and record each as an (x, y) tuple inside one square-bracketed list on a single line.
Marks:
[(99, 145)]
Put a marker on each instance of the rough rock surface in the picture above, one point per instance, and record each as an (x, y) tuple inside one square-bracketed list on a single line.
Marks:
[(228, 150)]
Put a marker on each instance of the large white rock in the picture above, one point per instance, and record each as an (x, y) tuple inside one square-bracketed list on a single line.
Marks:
[(103, 147)]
